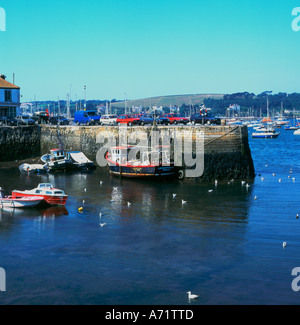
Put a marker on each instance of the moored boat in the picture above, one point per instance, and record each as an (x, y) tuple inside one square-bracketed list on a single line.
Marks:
[(297, 132), (50, 195), (266, 134), (20, 202), (31, 169), (61, 160), (123, 161)]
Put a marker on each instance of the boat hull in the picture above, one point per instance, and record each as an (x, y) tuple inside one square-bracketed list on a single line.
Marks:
[(49, 199), (265, 135), (20, 202), (149, 171)]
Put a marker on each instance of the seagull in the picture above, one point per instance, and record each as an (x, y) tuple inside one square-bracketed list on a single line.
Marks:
[(243, 183), (297, 216), (247, 185), (128, 204), (174, 195), (192, 296), (274, 174), (262, 178), (293, 179), (101, 224), (101, 182), (266, 165), (83, 201), (115, 188), (280, 180), (210, 191), (216, 182), (255, 197), (85, 189), (183, 202), (284, 244)]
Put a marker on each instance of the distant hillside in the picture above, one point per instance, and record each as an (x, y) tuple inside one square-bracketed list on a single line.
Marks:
[(166, 101)]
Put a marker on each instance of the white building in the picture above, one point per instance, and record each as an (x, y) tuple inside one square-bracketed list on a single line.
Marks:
[(9, 98)]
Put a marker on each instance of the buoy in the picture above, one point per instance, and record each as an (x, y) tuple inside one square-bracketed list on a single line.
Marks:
[(80, 209)]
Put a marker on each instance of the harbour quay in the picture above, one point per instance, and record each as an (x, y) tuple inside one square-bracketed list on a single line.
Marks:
[(227, 154)]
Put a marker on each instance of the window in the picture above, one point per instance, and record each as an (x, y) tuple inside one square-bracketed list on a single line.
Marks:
[(8, 97)]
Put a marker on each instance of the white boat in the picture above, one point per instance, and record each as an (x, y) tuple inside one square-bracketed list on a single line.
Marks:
[(297, 132), (12, 202), (266, 134), (20, 202), (34, 168)]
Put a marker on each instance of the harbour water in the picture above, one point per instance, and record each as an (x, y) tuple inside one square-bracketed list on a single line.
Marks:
[(224, 245)]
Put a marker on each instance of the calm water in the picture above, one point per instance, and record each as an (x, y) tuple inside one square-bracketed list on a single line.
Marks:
[(225, 246)]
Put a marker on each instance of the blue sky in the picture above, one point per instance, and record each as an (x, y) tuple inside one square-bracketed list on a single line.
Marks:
[(138, 48)]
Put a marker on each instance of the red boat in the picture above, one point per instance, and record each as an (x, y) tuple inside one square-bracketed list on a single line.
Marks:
[(50, 195)]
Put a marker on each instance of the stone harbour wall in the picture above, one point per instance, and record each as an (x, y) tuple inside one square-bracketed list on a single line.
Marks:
[(17, 143), (227, 154)]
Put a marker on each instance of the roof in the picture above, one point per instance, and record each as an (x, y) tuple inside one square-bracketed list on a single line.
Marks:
[(7, 85)]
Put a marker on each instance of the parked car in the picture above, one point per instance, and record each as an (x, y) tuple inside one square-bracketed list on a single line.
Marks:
[(12, 121), (108, 120), (205, 119), (41, 117), (128, 119), (149, 119), (59, 120), (146, 119), (25, 120), (162, 120), (175, 118), (87, 117)]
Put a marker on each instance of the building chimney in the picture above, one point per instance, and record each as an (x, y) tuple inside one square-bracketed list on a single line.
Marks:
[(2, 76)]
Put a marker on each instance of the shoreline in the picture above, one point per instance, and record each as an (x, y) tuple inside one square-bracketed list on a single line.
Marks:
[(17, 163)]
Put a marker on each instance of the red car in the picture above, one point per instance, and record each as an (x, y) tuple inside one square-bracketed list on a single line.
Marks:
[(175, 118), (128, 119)]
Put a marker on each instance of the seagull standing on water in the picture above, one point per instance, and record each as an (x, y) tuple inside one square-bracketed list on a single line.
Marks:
[(284, 244), (192, 296), (183, 202)]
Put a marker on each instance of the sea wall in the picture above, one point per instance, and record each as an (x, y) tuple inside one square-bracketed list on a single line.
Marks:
[(18, 143), (226, 148)]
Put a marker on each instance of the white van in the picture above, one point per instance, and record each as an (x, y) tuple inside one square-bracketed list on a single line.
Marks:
[(108, 120)]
